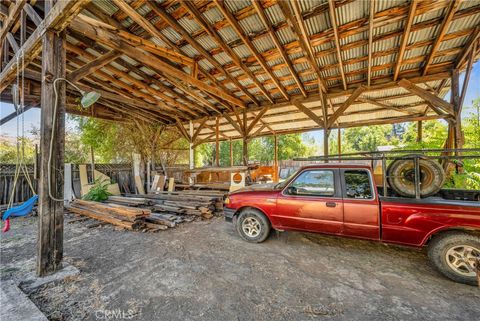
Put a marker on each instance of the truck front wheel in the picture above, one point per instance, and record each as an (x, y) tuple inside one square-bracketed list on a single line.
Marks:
[(456, 255), (253, 226)]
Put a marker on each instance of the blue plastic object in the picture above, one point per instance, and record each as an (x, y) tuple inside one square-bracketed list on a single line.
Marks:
[(21, 210)]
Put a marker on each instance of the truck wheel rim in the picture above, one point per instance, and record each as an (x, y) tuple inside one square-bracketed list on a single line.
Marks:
[(462, 259), (251, 227)]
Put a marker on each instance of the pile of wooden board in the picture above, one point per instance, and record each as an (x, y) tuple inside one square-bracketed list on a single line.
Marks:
[(202, 204), (130, 218)]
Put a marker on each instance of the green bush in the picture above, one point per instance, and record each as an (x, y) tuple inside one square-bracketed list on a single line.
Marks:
[(98, 192)]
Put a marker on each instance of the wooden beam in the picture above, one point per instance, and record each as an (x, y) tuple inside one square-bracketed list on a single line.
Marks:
[(32, 14), (309, 113), (183, 131), (150, 28), (199, 129), (333, 20), (298, 26), (103, 33), (238, 29), (426, 95), (472, 40), (217, 145), (405, 37), (214, 34), (13, 42), (93, 65), (345, 105), (452, 8), (234, 124), (370, 40), (50, 211), (56, 19), (13, 15), (468, 72), (269, 27), (386, 106), (185, 34), (257, 119)]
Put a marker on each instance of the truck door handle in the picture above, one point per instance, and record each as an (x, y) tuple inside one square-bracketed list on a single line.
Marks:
[(331, 204)]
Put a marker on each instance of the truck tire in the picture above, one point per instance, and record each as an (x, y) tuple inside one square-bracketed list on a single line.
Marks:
[(401, 176), (253, 226), (455, 255)]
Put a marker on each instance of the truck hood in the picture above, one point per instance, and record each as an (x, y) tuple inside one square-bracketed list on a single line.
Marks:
[(256, 187)]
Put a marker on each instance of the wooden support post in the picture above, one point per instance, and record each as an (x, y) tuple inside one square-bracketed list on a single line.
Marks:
[(245, 138), (455, 101), (50, 212), (191, 158), (231, 153), (326, 133), (92, 163), (275, 158), (339, 141), (217, 145), (419, 131)]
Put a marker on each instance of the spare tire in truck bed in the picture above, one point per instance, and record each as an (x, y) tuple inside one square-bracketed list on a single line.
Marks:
[(401, 176)]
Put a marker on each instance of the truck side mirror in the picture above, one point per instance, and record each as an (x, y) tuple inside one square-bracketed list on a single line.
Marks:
[(291, 190)]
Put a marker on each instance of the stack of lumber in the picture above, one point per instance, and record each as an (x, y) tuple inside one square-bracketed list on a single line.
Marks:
[(184, 203), (131, 218)]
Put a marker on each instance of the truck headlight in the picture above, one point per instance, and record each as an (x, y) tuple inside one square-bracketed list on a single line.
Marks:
[(227, 200)]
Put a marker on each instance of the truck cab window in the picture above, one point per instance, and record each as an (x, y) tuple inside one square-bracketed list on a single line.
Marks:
[(357, 184), (313, 183)]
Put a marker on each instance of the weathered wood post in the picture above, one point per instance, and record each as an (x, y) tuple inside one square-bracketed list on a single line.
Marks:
[(419, 131), (50, 223), (217, 144), (275, 158)]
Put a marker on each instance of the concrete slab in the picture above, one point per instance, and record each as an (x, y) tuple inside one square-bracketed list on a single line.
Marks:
[(16, 305), (31, 282)]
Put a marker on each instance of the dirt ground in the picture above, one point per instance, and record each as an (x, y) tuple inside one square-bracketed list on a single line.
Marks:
[(204, 271)]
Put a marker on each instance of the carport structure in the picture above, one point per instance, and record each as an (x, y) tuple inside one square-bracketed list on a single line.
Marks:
[(238, 69)]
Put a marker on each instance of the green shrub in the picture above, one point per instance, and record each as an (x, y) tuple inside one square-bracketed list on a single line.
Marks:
[(98, 192)]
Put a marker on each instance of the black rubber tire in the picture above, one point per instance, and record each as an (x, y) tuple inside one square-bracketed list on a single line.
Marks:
[(438, 248), (400, 171), (265, 225)]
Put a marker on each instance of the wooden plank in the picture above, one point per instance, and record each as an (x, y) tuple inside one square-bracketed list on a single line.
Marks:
[(105, 34), (405, 36), (93, 65), (171, 184), (56, 19), (428, 96), (345, 105), (441, 33)]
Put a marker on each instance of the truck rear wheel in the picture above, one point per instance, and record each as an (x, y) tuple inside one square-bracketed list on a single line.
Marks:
[(253, 226), (401, 176), (456, 255)]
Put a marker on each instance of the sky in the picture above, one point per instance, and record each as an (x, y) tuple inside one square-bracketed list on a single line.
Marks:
[(32, 116)]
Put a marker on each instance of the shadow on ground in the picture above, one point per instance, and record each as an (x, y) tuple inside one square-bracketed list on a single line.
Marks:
[(204, 271)]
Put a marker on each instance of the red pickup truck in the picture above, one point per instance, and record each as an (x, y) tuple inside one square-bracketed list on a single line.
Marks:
[(341, 199)]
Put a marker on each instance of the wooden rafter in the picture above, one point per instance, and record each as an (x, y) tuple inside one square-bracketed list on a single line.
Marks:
[(468, 48), (268, 26), (443, 30), (12, 18), (405, 37), (333, 21), (102, 33), (57, 19), (236, 26), (309, 113), (93, 65), (426, 95), (370, 40), (356, 93), (177, 27), (214, 34)]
